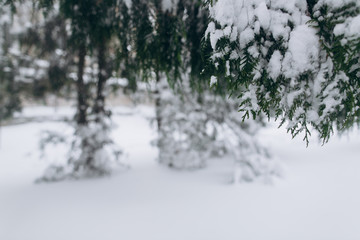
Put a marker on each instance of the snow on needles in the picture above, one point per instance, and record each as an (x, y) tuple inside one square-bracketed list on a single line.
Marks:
[(303, 51), (283, 39)]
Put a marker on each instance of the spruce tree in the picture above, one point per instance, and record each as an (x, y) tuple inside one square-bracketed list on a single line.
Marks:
[(34, 50), (295, 61), (92, 24), (83, 51), (9, 88), (194, 123)]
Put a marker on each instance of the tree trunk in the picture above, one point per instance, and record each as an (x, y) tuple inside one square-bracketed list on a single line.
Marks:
[(102, 77), (158, 101), (81, 88)]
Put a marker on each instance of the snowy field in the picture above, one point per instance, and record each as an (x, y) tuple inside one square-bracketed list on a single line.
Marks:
[(317, 199)]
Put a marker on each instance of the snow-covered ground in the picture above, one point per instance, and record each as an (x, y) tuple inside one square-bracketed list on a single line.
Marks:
[(317, 199)]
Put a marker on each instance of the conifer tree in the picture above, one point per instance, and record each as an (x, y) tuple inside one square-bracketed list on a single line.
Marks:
[(9, 88), (93, 25), (34, 53), (297, 61), (194, 124), (92, 28)]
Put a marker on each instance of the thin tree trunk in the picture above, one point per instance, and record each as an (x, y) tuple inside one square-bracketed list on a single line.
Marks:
[(81, 88), (158, 101), (102, 77)]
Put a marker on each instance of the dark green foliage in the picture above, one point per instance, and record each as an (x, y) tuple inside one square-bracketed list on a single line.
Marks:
[(9, 88), (168, 41), (125, 63), (345, 55), (48, 41), (246, 75), (57, 78)]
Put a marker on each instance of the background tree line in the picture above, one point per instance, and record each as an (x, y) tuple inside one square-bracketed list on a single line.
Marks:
[(196, 55)]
